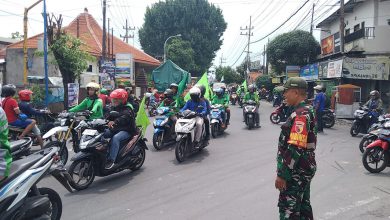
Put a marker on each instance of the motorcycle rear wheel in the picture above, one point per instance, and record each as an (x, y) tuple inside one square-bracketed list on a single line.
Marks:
[(275, 118), (181, 150), (371, 156), (328, 121), (141, 157), (250, 122), (55, 202), (87, 171)]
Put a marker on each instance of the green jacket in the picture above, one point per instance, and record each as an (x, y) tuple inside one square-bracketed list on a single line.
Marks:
[(251, 96), (5, 149), (221, 101), (86, 104), (179, 101)]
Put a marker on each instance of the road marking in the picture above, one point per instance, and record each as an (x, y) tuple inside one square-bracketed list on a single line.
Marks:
[(336, 212)]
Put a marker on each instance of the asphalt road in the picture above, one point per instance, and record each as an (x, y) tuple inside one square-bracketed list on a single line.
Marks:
[(233, 178)]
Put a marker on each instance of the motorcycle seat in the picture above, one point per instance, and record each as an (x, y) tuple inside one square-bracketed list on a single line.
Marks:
[(17, 145), (19, 166)]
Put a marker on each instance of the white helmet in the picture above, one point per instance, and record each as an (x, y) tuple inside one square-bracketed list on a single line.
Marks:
[(93, 85), (195, 93)]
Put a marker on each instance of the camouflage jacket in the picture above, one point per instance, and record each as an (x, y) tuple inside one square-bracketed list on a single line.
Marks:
[(297, 142)]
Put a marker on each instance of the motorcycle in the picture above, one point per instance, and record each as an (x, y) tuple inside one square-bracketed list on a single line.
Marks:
[(250, 113), (279, 115), (363, 119), (377, 152), (68, 122), (373, 132), (21, 148), (163, 133), (328, 118), (241, 99), (20, 198), (277, 100), (185, 130), (233, 98), (216, 121), (91, 159)]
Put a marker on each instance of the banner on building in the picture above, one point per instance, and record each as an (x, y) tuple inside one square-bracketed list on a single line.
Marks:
[(375, 68), (124, 65), (73, 94), (292, 71), (323, 70), (327, 45), (309, 72), (335, 68), (107, 75)]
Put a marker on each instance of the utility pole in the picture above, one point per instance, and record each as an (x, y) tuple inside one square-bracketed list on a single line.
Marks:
[(108, 38), (312, 16), (249, 34), (222, 61), (263, 66), (127, 36), (342, 26), (112, 43), (266, 60), (104, 31)]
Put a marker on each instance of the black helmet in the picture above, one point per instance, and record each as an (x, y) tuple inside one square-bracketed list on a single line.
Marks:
[(8, 90), (202, 90), (168, 93)]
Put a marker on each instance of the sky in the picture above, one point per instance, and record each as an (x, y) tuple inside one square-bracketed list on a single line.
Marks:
[(266, 16)]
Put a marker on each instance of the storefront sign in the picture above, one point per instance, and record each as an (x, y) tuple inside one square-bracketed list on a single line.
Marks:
[(323, 69), (309, 72), (275, 80), (327, 45), (335, 69), (375, 68), (73, 94), (124, 65), (292, 71)]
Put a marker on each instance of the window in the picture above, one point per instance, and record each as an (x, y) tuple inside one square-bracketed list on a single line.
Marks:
[(363, 25), (347, 31), (89, 69), (356, 27)]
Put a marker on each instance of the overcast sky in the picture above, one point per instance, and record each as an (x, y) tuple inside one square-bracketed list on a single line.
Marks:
[(266, 16)]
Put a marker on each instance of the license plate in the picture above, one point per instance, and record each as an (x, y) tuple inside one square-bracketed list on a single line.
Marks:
[(90, 132)]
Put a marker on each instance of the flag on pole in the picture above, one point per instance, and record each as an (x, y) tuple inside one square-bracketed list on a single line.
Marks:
[(245, 86), (142, 119), (205, 82)]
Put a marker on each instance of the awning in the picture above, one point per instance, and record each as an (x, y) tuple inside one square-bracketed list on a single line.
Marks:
[(55, 81)]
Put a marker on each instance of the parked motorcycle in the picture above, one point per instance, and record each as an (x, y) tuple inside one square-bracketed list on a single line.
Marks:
[(376, 156), (66, 130), (233, 98), (373, 132), (216, 122), (250, 113), (91, 159), (21, 148), (328, 118), (20, 198), (163, 128), (185, 130), (363, 121)]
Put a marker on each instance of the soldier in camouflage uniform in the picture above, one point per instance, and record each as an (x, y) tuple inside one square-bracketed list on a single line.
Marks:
[(296, 163)]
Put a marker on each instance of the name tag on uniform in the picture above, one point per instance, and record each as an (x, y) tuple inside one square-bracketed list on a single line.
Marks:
[(298, 134)]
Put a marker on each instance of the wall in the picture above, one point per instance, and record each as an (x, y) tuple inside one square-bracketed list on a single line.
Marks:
[(383, 13), (14, 66)]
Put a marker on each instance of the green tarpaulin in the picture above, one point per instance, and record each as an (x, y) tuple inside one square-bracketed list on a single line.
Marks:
[(168, 73)]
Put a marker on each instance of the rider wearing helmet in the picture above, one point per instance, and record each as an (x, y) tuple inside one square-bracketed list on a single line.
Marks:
[(219, 98), (319, 105), (92, 103), (197, 105), (227, 99), (121, 126), (177, 97), (206, 119), (25, 105), (252, 95), (168, 99), (15, 116), (375, 103)]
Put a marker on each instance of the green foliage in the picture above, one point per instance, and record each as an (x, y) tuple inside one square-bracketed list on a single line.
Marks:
[(292, 48), (181, 53), (198, 21), (242, 69), (16, 35), (264, 81), (229, 75), (39, 94)]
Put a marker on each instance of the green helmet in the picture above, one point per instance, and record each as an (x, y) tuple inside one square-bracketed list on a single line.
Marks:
[(104, 91)]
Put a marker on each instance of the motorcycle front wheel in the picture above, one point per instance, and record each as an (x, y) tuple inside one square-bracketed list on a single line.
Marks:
[(63, 152), (355, 128), (275, 118), (365, 142), (55, 211), (84, 171), (373, 156), (328, 121), (158, 140), (181, 150), (214, 130)]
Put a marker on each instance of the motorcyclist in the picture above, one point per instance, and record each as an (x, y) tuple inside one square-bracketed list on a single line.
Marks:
[(199, 106), (15, 116), (132, 99), (121, 126), (92, 103), (219, 98), (227, 99), (252, 95), (206, 118), (5, 149), (319, 105), (375, 104), (177, 97)]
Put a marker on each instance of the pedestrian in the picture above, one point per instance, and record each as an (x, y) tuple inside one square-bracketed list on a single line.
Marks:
[(319, 105), (296, 163)]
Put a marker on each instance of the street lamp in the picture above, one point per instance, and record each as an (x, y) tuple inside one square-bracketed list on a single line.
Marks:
[(165, 44)]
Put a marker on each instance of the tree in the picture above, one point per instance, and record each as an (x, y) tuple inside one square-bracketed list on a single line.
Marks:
[(181, 53), (293, 48), (229, 75), (264, 81), (16, 35), (198, 21)]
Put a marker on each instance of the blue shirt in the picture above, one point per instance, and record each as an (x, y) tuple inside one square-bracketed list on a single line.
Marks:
[(26, 108), (320, 101), (194, 106)]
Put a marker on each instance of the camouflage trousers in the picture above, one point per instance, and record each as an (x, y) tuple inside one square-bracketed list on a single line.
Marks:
[(294, 202)]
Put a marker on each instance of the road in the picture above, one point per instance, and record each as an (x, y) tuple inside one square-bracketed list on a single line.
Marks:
[(233, 178)]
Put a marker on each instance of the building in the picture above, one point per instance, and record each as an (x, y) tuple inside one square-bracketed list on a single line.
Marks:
[(365, 61), (4, 42), (87, 29)]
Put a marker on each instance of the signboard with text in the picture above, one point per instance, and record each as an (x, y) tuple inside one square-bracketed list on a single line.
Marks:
[(124, 66), (73, 94), (292, 71), (335, 68), (309, 72), (373, 68), (327, 45)]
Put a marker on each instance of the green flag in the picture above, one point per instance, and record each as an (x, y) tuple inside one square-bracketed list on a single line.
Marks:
[(245, 86), (205, 82), (142, 119)]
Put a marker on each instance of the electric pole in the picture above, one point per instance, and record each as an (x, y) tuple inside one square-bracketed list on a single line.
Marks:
[(311, 22), (108, 38), (104, 31), (263, 66), (249, 34), (342, 26), (127, 36), (222, 61)]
